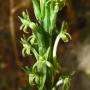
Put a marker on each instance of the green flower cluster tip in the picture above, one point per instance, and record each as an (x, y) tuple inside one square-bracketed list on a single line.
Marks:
[(41, 45)]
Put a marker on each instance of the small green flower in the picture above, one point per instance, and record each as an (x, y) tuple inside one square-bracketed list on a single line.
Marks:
[(26, 45), (63, 33), (25, 20)]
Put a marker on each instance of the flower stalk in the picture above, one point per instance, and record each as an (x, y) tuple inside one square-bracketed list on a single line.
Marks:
[(46, 68)]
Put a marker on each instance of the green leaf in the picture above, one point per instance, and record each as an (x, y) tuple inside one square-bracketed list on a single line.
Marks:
[(37, 9), (46, 21), (54, 8), (39, 34), (47, 53), (42, 7)]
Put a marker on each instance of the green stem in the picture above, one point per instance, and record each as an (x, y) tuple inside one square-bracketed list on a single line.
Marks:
[(55, 47)]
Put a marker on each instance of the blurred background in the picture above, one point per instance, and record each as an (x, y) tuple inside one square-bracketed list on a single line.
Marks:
[(75, 55)]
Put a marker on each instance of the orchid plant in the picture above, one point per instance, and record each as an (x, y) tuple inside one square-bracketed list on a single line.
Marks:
[(43, 44)]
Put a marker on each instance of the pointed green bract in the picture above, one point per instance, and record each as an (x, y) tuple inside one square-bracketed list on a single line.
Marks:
[(37, 9), (42, 8)]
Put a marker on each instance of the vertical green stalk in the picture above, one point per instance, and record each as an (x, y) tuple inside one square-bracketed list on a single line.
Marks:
[(40, 43)]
